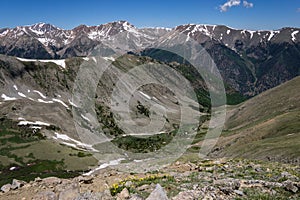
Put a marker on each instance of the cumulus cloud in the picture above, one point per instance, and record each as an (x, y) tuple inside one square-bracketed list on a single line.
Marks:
[(231, 3), (247, 4)]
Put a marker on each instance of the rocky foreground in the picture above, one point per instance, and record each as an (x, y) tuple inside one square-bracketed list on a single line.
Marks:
[(209, 179)]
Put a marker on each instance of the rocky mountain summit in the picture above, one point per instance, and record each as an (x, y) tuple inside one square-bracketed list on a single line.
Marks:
[(208, 179)]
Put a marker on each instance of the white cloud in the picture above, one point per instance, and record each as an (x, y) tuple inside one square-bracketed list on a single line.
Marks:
[(247, 4), (229, 4)]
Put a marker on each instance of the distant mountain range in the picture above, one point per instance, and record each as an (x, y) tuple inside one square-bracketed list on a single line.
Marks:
[(249, 61), (47, 41)]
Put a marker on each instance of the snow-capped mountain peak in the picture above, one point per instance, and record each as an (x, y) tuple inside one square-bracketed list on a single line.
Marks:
[(60, 43), (43, 27)]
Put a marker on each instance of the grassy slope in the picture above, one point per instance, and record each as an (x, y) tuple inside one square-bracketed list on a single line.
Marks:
[(34, 156), (266, 126)]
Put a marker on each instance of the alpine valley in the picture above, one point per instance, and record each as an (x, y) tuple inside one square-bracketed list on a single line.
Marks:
[(39, 69)]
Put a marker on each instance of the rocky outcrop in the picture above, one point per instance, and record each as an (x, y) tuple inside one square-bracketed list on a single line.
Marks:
[(218, 179)]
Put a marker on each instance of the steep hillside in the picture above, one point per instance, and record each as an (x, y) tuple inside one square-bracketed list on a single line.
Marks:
[(37, 100), (265, 127)]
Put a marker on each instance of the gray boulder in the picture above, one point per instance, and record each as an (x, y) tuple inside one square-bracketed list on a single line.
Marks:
[(124, 194), (16, 184), (158, 193), (6, 188)]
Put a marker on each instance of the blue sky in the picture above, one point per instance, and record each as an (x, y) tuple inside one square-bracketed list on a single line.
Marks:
[(253, 14)]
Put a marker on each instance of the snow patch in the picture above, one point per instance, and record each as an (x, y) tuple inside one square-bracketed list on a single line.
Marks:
[(143, 160), (61, 102), (251, 34), (70, 144), (4, 33), (62, 136), (41, 94), (46, 41), (12, 168), (35, 127), (61, 62), (77, 144), (39, 123), (37, 31), (214, 27), (21, 94), (272, 34), (84, 117), (6, 98), (228, 32), (109, 58), (294, 35), (72, 103), (130, 28), (221, 37), (145, 95), (105, 165), (43, 101), (188, 37), (16, 88), (203, 29)]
